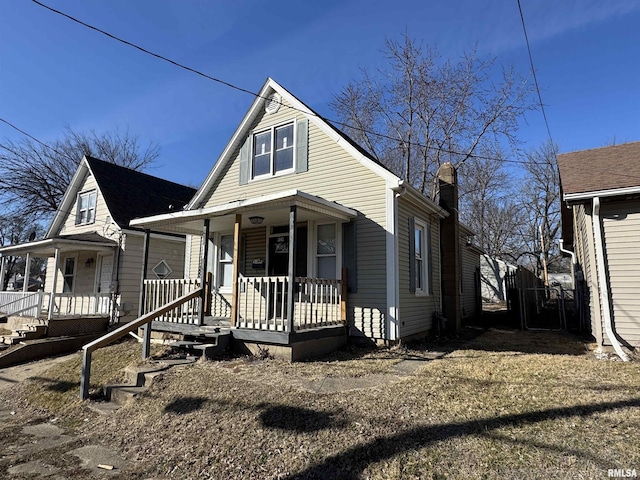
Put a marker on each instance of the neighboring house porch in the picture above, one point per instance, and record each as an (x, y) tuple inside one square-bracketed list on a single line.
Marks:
[(81, 284)]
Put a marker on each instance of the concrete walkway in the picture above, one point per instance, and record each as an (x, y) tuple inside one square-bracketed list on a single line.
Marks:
[(30, 444)]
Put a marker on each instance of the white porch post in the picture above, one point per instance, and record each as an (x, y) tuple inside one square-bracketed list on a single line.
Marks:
[(292, 267), (56, 264), (27, 271), (3, 267)]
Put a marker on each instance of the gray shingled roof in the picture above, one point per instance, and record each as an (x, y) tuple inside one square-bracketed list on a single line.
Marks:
[(605, 168), (130, 194)]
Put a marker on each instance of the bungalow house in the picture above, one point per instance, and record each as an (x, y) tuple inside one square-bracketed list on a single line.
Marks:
[(94, 257), (600, 225), (298, 232)]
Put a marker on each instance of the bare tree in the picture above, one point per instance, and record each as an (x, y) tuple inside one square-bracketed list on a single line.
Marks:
[(489, 206), (420, 111), (540, 199), (13, 230), (34, 177)]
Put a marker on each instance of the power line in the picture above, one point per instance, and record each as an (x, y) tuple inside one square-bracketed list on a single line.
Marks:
[(257, 95), (30, 136), (533, 72)]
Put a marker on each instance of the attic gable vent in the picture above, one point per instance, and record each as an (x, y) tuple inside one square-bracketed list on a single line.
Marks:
[(272, 104)]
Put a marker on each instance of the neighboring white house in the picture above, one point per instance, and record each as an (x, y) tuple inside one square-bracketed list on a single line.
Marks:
[(94, 258), (492, 278)]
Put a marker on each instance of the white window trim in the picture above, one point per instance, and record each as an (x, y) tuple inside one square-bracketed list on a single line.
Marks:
[(272, 129), (218, 263), (424, 291), (88, 193), (313, 238), (75, 273)]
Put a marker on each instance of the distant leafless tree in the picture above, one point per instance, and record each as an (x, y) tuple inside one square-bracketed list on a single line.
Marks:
[(429, 111), (14, 230), (540, 200), (34, 177)]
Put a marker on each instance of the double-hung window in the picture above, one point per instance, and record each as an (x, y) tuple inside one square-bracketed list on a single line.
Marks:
[(421, 256), (86, 209), (225, 261), (326, 251), (273, 151), (68, 274)]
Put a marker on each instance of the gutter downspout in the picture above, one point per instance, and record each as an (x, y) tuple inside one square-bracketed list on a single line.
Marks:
[(573, 260), (398, 191), (602, 281)]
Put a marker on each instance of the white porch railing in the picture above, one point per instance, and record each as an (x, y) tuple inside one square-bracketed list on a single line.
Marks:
[(161, 292), (76, 304), (262, 303), (26, 304)]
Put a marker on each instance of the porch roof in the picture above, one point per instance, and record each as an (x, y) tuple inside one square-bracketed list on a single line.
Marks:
[(274, 207), (47, 247)]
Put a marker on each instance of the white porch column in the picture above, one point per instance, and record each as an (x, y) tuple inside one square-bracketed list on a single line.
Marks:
[(27, 274), (3, 271), (236, 269), (56, 265)]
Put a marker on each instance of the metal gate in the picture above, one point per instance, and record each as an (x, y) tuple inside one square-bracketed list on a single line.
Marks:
[(546, 308)]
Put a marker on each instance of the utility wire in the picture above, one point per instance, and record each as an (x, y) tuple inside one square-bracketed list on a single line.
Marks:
[(257, 95), (533, 72), (30, 136)]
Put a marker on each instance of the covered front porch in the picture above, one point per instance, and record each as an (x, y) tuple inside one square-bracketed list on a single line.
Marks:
[(78, 282), (273, 268)]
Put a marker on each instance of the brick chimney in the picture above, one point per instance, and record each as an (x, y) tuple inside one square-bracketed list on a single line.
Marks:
[(450, 246)]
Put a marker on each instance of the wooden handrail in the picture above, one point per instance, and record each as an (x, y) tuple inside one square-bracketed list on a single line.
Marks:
[(120, 332)]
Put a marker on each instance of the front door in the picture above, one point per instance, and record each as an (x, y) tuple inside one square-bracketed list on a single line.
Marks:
[(105, 271), (278, 258)]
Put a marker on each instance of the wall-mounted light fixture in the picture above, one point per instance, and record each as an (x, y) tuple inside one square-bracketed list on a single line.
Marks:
[(256, 220), (89, 262)]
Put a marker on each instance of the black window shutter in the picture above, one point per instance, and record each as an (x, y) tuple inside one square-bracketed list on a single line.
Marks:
[(349, 255), (245, 152), (412, 255), (302, 146)]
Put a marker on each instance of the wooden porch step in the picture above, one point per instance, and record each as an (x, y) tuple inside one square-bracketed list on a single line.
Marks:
[(208, 345)]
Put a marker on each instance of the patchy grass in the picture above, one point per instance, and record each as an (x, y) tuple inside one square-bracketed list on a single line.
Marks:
[(5, 331), (58, 389), (503, 405)]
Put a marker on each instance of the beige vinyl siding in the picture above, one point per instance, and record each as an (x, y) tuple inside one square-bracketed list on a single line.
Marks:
[(585, 256), (470, 262), (171, 251), (336, 176), (621, 224), (416, 310), (195, 255), (255, 244), (69, 226)]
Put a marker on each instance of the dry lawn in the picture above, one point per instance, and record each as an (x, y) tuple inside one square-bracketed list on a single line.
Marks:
[(519, 405)]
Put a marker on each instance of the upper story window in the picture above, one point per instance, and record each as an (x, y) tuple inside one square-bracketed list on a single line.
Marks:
[(273, 151), (86, 209)]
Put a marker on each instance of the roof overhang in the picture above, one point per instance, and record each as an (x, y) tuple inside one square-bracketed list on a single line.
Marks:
[(274, 207), (48, 247), (615, 192)]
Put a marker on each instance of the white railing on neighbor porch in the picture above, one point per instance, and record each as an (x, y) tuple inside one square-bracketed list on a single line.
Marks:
[(262, 303), (161, 292), (26, 304), (76, 304)]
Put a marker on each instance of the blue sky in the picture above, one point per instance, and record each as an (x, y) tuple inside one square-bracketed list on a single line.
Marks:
[(54, 72)]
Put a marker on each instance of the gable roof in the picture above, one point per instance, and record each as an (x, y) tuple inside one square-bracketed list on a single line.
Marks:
[(127, 193), (131, 194), (600, 171), (243, 130)]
